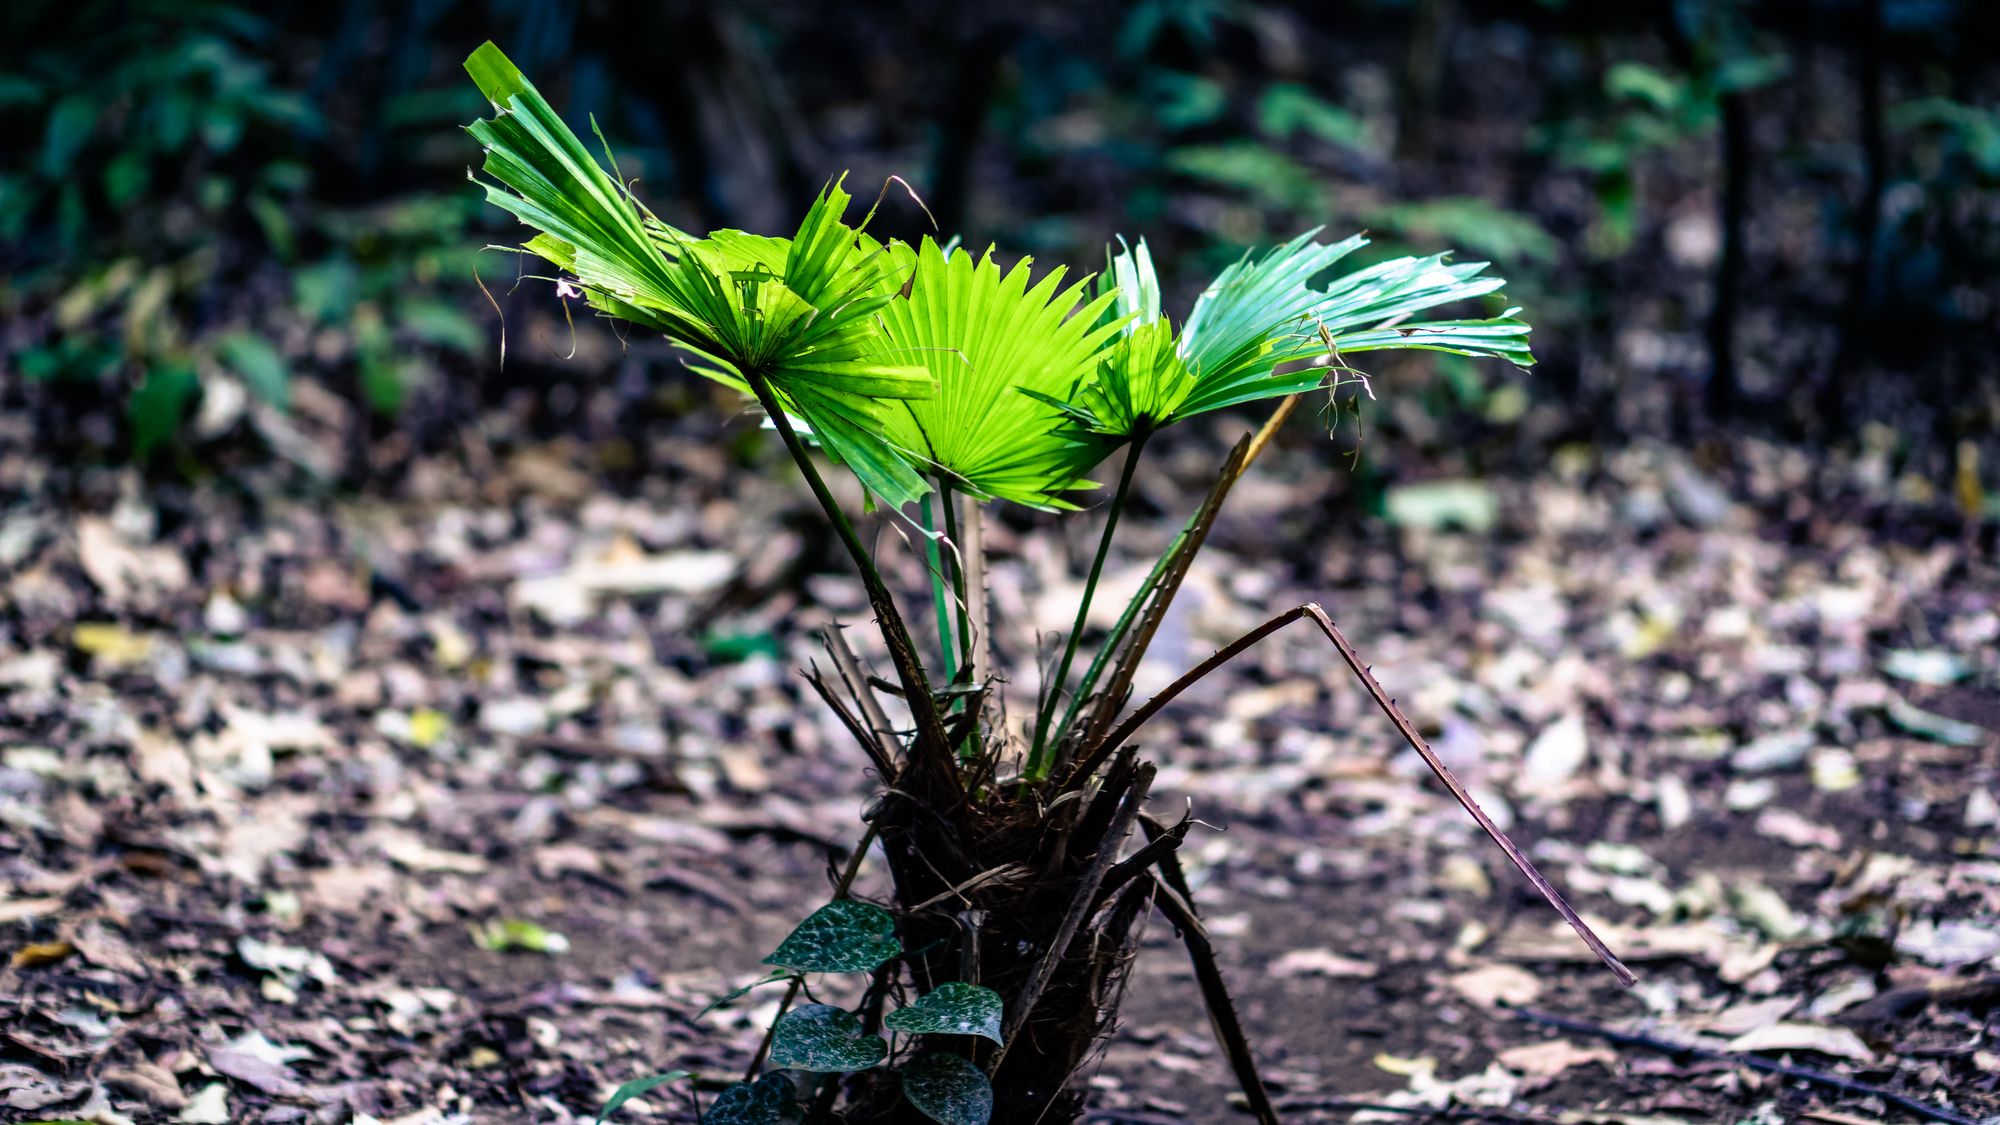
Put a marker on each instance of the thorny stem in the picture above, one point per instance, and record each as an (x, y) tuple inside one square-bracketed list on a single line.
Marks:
[(840, 889), (916, 686), (1038, 757), (939, 603), (1403, 727)]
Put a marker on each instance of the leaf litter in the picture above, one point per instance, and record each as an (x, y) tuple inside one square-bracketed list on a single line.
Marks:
[(302, 840)]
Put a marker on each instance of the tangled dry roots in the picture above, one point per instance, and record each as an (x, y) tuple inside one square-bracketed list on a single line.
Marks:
[(995, 887)]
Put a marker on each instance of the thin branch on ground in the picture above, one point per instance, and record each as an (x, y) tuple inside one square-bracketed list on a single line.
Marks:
[(1753, 1062)]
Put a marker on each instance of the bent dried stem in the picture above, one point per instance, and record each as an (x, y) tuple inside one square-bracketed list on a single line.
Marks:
[(1403, 727), (1214, 993), (856, 682)]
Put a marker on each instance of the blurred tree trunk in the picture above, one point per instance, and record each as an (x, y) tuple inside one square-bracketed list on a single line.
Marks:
[(1420, 85), (1856, 309), (1724, 391), (963, 124)]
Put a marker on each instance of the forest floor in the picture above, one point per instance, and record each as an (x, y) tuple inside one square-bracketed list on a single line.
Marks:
[(281, 780)]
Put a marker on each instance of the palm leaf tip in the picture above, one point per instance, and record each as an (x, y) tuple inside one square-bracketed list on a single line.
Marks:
[(495, 74), (540, 171)]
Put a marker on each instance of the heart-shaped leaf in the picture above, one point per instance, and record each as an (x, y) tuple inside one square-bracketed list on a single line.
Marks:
[(822, 1038), (843, 936), (634, 1088), (773, 1100), (949, 1090), (952, 1008)]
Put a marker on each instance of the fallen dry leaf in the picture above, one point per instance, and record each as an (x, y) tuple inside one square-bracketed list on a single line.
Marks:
[(148, 1080), (1496, 984), (1320, 963), (209, 1106), (1790, 1036), (1552, 1057)]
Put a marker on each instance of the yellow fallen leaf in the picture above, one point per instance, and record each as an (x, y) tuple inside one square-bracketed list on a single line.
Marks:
[(41, 953), (427, 727), (1406, 1067), (112, 644)]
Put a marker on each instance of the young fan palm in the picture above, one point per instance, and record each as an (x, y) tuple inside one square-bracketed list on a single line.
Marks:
[(910, 365)]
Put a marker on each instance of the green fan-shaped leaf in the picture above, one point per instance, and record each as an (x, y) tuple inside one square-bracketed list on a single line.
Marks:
[(824, 1039), (800, 314), (949, 1090), (844, 936), (987, 336), (771, 1100), (635, 1088), (1142, 381), (952, 1008), (1248, 331), (595, 228), (1254, 318)]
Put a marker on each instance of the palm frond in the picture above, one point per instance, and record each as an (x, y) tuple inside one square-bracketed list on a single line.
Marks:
[(1250, 331), (802, 314), (998, 349)]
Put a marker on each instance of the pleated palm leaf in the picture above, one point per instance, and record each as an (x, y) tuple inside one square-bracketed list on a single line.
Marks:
[(800, 316), (1248, 332), (998, 348)]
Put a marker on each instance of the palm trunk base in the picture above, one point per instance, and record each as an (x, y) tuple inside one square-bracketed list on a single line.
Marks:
[(986, 883)]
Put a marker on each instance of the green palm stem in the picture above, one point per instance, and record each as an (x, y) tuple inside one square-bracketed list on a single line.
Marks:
[(950, 507), (934, 562), (916, 686), (972, 586), (972, 609), (1117, 637), (1039, 759)]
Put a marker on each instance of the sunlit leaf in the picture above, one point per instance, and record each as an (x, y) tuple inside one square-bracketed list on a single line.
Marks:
[(503, 935), (801, 314), (987, 336)]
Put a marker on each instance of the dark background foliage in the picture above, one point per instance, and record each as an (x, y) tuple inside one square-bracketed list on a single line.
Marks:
[(239, 236)]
